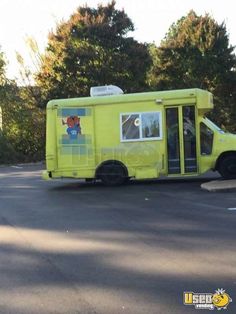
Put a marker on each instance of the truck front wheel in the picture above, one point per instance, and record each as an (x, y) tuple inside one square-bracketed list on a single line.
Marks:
[(227, 167), (112, 174)]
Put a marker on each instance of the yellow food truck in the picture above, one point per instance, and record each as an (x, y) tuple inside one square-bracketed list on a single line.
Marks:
[(112, 136)]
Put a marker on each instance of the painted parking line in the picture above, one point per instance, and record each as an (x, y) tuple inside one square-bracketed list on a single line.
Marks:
[(232, 208)]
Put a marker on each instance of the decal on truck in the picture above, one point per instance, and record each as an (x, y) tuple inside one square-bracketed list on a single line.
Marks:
[(74, 128), (73, 139)]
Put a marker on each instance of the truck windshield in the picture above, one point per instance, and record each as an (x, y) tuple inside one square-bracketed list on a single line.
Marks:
[(214, 126)]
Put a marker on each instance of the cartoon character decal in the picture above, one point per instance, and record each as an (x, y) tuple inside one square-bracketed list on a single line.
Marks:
[(74, 128), (221, 299)]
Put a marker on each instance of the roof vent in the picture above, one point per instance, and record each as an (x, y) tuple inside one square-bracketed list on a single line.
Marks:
[(106, 90)]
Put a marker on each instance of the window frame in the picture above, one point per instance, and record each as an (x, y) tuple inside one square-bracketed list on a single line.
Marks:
[(141, 138)]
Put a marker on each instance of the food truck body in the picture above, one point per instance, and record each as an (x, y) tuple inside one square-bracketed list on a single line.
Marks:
[(142, 135)]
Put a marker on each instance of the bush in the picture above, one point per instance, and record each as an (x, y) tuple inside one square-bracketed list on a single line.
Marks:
[(8, 154)]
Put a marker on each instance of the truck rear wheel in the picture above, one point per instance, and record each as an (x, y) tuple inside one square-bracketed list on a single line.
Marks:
[(112, 174), (227, 167)]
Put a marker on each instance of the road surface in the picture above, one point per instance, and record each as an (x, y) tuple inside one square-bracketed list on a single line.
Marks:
[(74, 247)]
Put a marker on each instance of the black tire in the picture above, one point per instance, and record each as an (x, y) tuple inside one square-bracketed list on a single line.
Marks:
[(112, 174), (227, 167)]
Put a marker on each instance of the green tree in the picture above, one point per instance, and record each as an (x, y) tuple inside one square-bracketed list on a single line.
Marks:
[(22, 136), (7, 151), (93, 48), (196, 53), (23, 129), (2, 69)]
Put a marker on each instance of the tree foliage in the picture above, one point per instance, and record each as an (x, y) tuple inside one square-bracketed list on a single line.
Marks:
[(93, 48), (22, 136), (2, 68), (6, 149), (196, 53)]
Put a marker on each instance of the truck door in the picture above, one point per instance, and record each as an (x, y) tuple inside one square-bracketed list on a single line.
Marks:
[(181, 139)]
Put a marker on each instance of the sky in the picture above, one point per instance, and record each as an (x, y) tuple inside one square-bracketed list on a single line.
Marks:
[(151, 18)]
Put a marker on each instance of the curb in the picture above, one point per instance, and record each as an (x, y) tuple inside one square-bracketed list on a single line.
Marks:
[(219, 185), (28, 164)]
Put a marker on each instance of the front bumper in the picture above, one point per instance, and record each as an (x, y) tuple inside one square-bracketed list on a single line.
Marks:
[(46, 175)]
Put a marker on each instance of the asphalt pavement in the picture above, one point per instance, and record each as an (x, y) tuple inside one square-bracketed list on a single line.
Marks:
[(68, 246)]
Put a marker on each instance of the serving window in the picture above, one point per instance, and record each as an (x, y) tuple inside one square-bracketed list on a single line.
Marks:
[(141, 126)]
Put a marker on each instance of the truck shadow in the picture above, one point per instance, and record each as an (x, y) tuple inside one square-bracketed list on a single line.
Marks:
[(163, 181)]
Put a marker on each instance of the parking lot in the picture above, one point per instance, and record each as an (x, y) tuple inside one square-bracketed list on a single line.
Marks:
[(75, 247)]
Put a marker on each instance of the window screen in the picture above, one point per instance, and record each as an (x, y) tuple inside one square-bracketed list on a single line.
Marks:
[(150, 124)]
